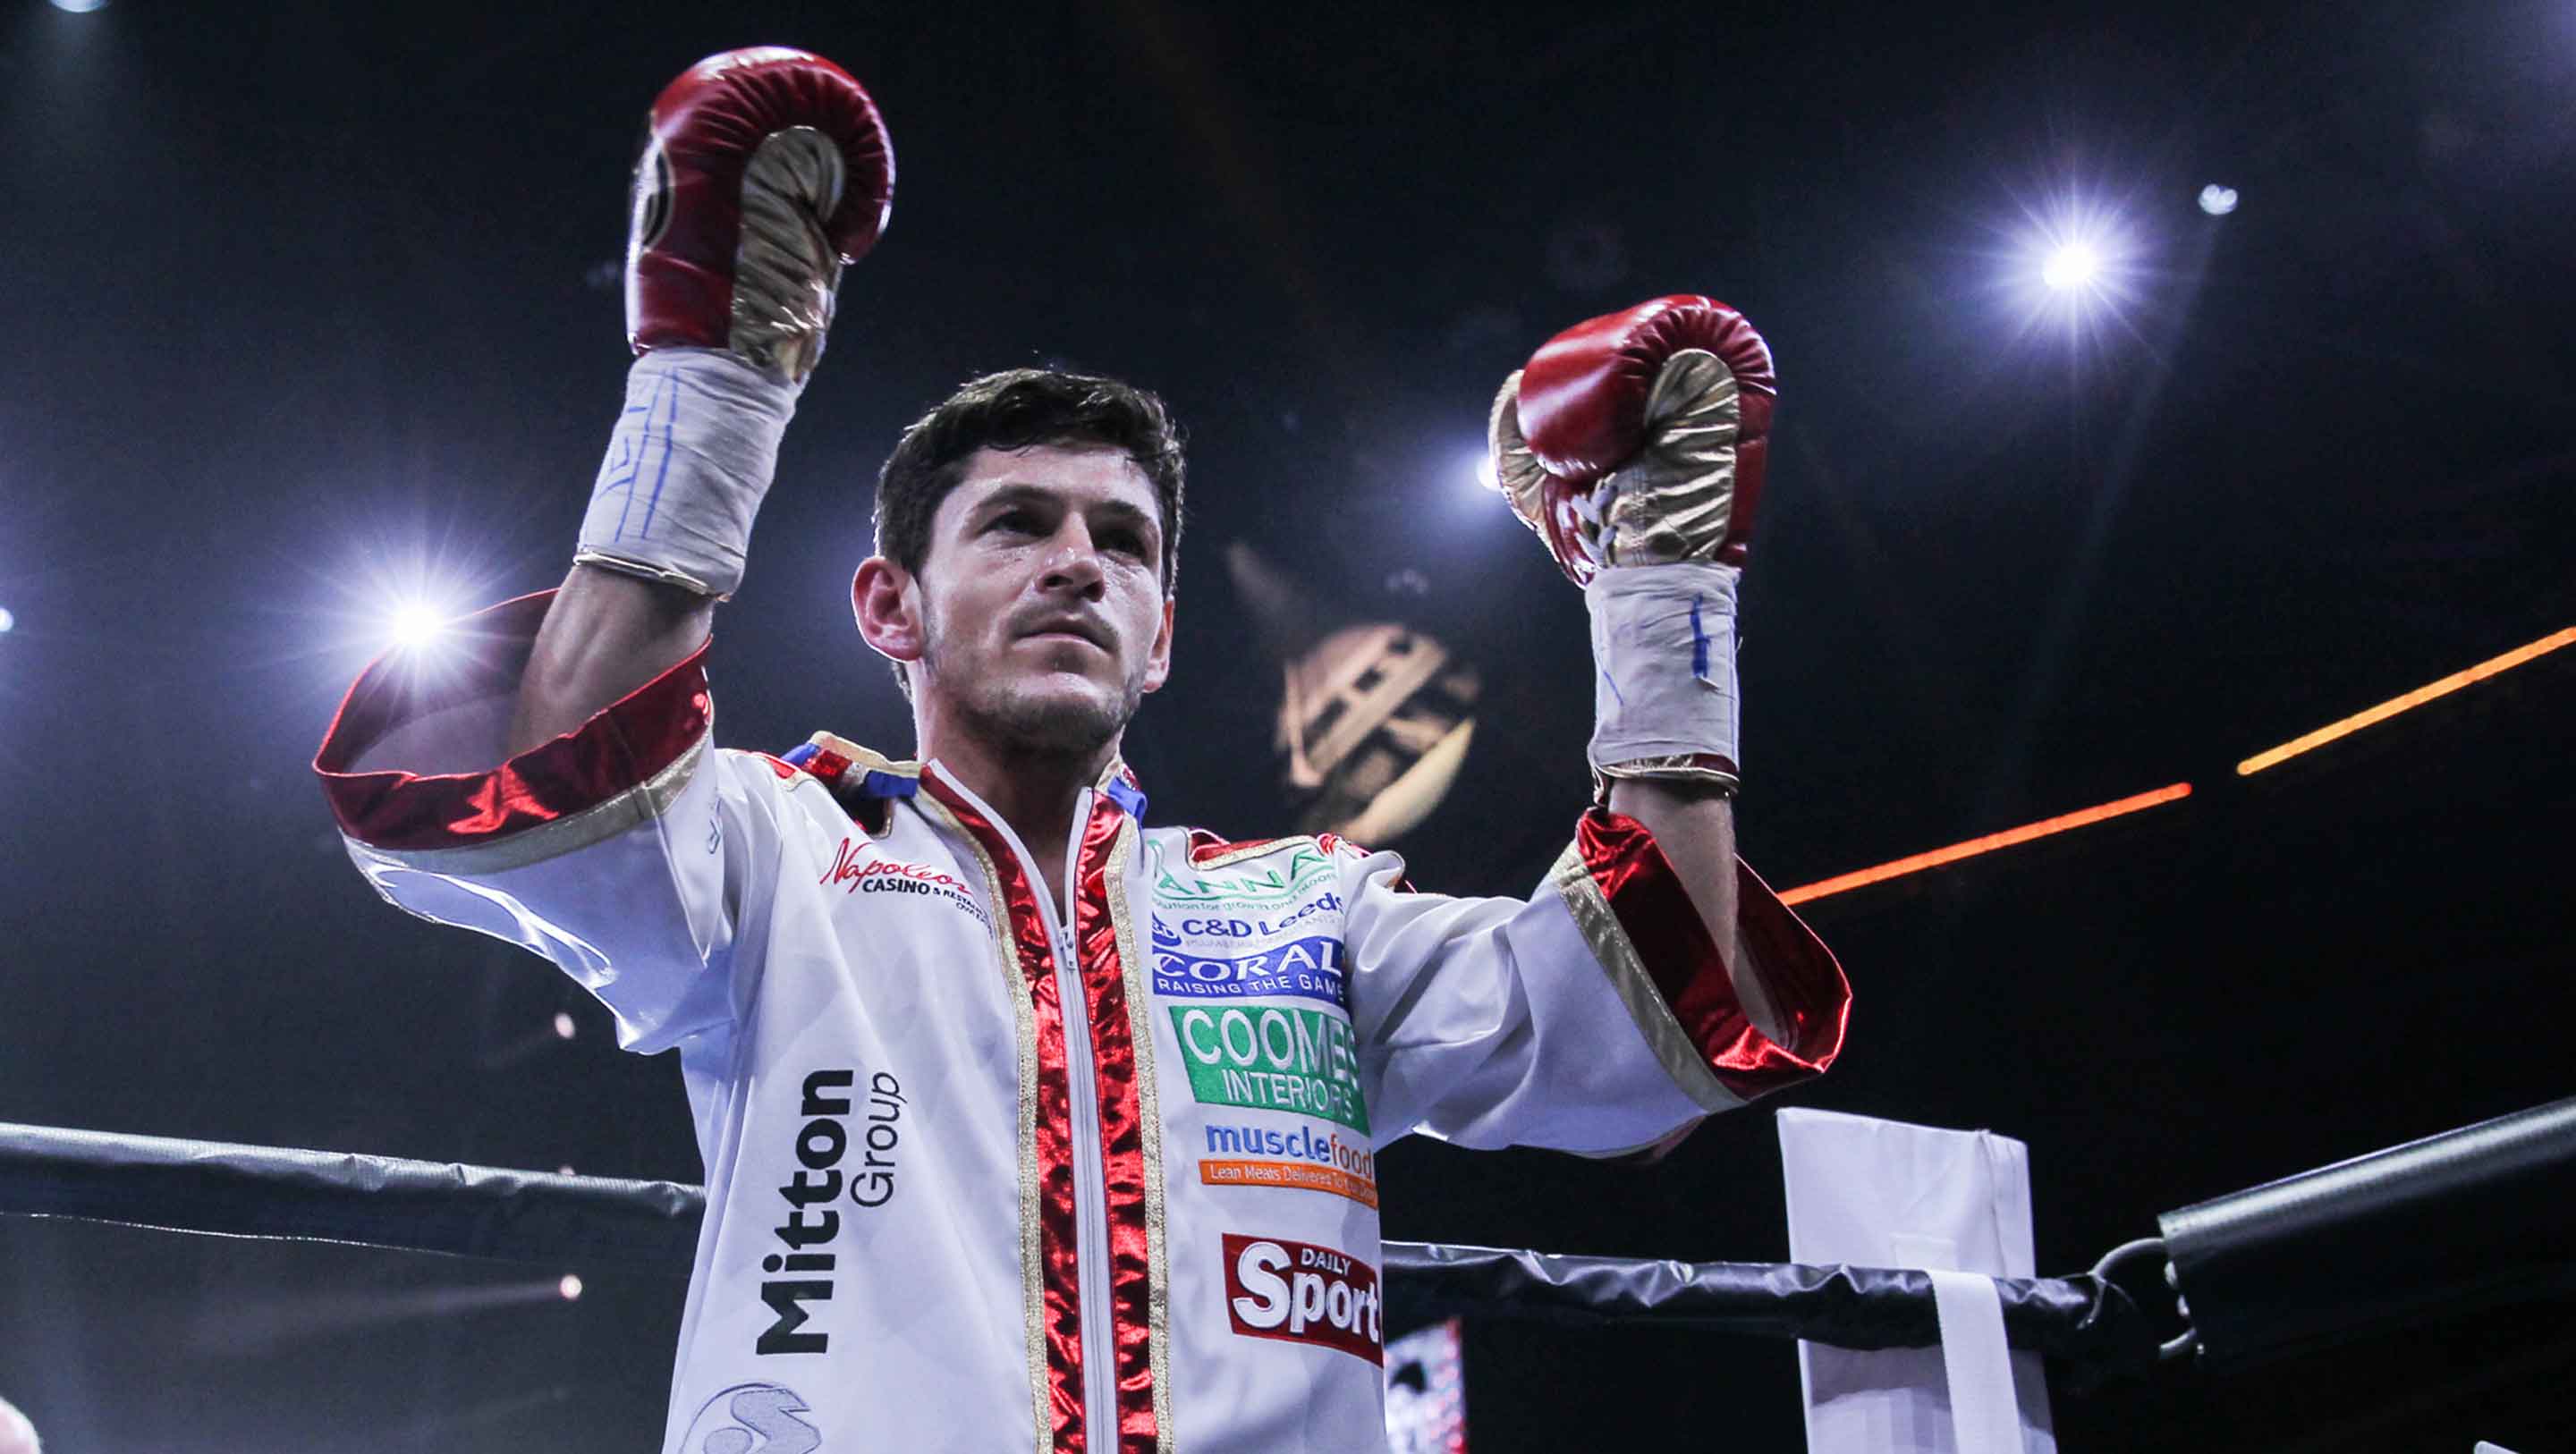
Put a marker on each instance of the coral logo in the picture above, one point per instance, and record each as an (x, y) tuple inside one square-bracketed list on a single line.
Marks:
[(1309, 968), (752, 1418), (1301, 1293)]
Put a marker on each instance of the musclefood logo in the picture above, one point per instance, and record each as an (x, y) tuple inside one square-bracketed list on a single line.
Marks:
[(1301, 1293), (1262, 882), (1309, 968), (1269, 1156), (1272, 1058)]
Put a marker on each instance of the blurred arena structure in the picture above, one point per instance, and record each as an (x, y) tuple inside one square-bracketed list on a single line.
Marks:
[(1375, 718)]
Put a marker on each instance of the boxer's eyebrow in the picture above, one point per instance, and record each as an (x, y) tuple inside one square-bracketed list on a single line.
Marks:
[(1001, 499), (1123, 513), (1022, 494)]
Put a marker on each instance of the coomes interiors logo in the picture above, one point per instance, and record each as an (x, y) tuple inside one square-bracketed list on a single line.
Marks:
[(1272, 1058)]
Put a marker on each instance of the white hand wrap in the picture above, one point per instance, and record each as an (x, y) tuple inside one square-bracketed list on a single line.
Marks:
[(1663, 688), (686, 469)]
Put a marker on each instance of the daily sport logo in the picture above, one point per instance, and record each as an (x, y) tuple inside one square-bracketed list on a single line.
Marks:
[(1268, 1156), (1309, 968), (1301, 1293), (1272, 1058)]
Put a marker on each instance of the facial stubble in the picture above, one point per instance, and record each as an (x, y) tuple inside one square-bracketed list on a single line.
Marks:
[(993, 708)]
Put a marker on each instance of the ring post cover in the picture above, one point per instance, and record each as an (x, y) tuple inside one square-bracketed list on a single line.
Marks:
[(1863, 1192)]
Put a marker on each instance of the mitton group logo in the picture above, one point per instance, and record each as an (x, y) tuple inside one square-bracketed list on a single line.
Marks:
[(1301, 1293), (835, 1153), (752, 1418)]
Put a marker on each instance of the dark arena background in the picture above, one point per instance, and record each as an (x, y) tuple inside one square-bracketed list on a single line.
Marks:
[(2155, 390)]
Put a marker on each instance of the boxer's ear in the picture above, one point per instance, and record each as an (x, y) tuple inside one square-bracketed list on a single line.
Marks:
[(887, 607), (1158, 661)]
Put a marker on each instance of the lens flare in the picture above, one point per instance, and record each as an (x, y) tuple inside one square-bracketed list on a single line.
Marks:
[(2072, 265), (414, 625)]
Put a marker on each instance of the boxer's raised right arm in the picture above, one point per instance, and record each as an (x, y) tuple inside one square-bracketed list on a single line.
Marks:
[(764, 172), (606, 634)]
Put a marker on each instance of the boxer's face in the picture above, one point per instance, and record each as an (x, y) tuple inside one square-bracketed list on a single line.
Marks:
[(1042, 601)]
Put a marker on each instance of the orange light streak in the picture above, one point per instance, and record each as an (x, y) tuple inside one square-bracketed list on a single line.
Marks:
[(2416, 698), (1988, 844)]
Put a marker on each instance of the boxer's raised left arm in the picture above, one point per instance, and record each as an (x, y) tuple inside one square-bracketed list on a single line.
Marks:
[(1635, 444), (1693, 825)]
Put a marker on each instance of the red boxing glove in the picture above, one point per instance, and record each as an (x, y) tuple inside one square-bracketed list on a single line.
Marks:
[(764, 172), (1640, 437)]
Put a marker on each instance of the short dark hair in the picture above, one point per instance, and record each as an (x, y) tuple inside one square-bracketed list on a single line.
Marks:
[(1018, 409)]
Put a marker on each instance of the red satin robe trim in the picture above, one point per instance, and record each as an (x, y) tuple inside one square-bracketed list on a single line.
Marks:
[(1122, 1128), (1059, 1249), (1205, 845), (623, 746), (1655, 912)]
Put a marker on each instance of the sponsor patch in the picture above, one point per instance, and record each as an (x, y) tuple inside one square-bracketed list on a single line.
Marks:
[(1301, 1293), (1272, 1058), (754, 1418), (863, 869), (1269, 1156), (1309, 968), (1267, 881), (833, 1156)]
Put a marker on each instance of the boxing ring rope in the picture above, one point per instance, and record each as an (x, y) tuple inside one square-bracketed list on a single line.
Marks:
[(234, 1190), (2470, 1219)]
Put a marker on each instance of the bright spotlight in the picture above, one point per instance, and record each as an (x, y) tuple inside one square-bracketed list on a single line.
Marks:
[(1485, 481), (80, 7), (563, 1024), (570, 1287), (2073, 264), (416, 624), (2216, 200), (8, 623)]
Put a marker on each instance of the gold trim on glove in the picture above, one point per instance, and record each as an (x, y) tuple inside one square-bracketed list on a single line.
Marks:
[(785, 269), (1675, 500)]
